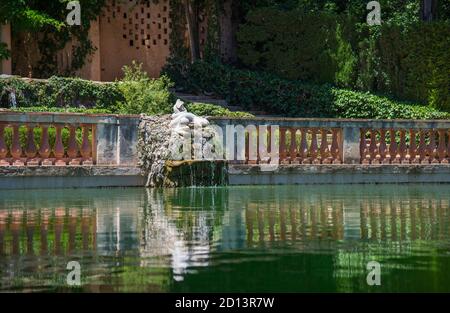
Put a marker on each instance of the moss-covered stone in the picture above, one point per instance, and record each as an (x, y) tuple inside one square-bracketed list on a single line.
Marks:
[(195, 173)]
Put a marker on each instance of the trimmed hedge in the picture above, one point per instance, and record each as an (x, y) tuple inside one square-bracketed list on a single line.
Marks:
[(204, 109), (406, 58), (59, 92), (414, 63), (255, 90)]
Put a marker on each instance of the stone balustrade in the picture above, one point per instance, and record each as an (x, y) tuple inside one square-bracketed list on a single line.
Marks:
[(341, 141), (60, 139), (405, 146)]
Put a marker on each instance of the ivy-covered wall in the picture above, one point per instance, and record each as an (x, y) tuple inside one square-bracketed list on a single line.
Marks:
[(113, 34), (414, 63), (404, 58), (40, 32)]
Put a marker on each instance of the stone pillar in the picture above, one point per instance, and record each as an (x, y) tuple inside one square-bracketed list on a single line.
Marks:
[(117, 142), (351, 145), (5, 37), (127, 141), (107, 144)]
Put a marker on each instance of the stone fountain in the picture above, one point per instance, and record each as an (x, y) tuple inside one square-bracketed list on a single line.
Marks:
[(169, 157)]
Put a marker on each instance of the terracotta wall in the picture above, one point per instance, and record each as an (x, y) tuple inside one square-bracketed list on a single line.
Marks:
[(126, 30), (134, 32)]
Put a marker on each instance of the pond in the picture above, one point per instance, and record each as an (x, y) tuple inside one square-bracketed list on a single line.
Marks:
[(228, 239)]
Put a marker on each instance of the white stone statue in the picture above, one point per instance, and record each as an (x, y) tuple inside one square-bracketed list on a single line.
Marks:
[(181, 119)]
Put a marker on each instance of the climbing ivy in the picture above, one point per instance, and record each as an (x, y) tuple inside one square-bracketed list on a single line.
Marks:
[(53, 41), (46, 21), (59, 92)]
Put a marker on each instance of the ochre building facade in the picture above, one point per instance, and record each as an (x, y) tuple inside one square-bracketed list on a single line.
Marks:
[(125, 31)]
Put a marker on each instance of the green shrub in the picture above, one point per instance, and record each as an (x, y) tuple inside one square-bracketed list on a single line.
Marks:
[(351, 104), (255, 90), (297, 45), (59, 92), (415, 62), (142, 94)]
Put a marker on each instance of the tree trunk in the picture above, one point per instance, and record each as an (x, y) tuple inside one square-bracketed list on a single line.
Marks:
[(228, 28), (191, 12), (428, 10)]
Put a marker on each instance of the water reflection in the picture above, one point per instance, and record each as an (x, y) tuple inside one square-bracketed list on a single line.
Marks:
[(287, 238)]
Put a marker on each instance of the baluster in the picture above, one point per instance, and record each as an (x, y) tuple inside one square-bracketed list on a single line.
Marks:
[(269, 143), (283, 159), (325, 155), (442, 148), (3, 147), (264, 146), (373, 148), (393, 147), (58, 150), (44, 149), (304, 147), (448, 147), (335, 153), (313, 150), (413, 147), (30, 149), (247, 147), (252, 154), (254, 133), (293, 147), (86, 149), (383, 147), (432, 151), (72, 149), (423, 148), (16, 148), (402, 148), (363, 148), (258, 144)]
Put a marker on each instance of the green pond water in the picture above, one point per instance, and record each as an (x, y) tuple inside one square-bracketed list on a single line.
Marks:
[(231, 239)]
